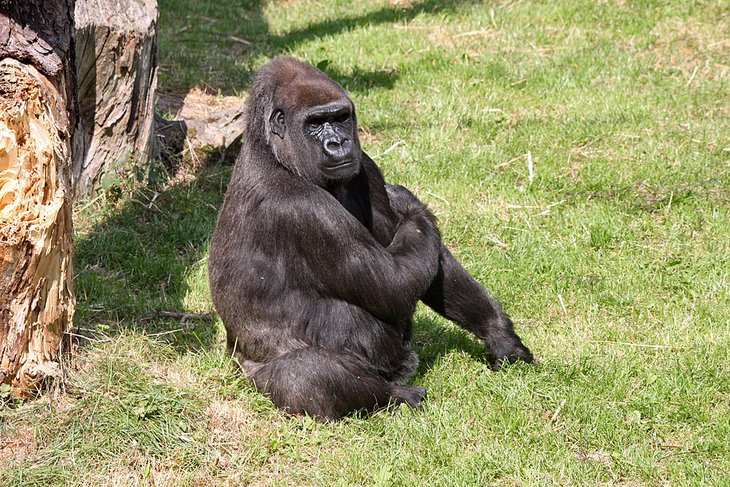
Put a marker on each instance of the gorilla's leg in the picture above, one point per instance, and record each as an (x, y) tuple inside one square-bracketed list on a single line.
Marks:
[(326, 384), (459, 297)]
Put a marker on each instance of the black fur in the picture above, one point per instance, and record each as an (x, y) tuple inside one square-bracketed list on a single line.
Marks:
[(316, 265)]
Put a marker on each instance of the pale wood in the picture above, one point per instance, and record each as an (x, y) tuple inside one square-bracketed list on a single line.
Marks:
[(36, 232), (37, 120), (199, 126)]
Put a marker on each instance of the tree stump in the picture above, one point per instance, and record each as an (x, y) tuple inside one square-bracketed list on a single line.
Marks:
[(37, 120), (116, 66)]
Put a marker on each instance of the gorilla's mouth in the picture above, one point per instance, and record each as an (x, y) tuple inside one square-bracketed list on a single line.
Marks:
[(341, 170), (338, 165)]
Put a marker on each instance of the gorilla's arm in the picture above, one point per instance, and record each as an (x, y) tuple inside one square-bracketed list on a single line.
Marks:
[(456, 295), (347, 261)]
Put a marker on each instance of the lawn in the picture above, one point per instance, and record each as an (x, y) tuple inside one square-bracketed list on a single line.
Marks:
[(577, 156)]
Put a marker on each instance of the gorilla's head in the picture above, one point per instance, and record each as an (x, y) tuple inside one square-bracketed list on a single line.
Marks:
[(307, 121)]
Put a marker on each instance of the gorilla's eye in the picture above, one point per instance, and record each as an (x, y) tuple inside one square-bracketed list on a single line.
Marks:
[(343, 118), (315, 123)]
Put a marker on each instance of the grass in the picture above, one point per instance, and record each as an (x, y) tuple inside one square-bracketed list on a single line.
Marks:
[(612, 256)]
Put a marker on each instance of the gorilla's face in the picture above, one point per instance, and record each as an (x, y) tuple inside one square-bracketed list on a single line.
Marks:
[(318, 141)]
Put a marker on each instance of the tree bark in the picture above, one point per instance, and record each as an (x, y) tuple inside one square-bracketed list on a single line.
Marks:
[(116, 58), (37, 119)]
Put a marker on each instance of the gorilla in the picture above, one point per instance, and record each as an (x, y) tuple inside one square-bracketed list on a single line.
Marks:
[(316, 264)]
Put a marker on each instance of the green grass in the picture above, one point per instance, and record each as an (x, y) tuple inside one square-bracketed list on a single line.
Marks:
[(613, 259)]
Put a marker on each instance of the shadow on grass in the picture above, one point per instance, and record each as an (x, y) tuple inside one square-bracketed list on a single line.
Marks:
[(386, 15), (222, 41), (433, 339), (141, 257)]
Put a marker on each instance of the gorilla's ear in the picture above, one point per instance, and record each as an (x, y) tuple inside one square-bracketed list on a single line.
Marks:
[(276, 122)]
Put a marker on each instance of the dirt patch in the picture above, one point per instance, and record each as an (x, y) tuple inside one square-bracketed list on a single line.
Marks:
[(196, 104), (236, 444), (599, 457)]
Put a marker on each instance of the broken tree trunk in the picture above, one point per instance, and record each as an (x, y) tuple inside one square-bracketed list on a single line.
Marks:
[(116, 57), (37, 120)]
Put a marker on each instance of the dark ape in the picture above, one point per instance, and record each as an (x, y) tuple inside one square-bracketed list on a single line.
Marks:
[(316, 265)]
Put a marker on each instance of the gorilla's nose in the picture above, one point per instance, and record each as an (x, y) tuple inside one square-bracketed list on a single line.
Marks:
[(337, 148)]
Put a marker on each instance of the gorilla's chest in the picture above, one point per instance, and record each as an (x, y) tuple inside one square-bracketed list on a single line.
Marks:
[(366, 205)]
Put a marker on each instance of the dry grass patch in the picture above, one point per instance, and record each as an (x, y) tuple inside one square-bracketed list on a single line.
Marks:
[(17, 443), (696, 48)]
